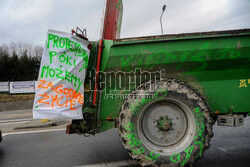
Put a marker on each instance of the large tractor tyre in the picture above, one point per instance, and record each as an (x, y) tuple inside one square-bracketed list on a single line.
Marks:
[(168, 126)]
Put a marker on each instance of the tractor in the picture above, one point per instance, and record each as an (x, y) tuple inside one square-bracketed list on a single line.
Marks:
[(164, 93)]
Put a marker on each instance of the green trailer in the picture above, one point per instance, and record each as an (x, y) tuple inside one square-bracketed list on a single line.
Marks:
[(165, 93)]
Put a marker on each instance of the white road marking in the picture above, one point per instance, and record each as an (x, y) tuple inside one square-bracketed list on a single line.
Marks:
[(16, 115), (9, 118), (222, 149), (7, 123), (15, 120), (36, 131), (113, 164)]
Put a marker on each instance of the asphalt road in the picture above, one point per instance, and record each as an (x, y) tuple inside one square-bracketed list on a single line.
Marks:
[(230, 147), (12, 118), (10, 121)]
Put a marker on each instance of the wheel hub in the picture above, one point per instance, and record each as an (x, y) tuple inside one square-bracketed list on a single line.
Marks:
[(164, 124)]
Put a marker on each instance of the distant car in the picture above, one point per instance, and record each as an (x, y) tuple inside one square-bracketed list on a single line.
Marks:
[(0, 135)]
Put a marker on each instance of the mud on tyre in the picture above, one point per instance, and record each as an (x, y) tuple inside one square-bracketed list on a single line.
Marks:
[(168, 126)]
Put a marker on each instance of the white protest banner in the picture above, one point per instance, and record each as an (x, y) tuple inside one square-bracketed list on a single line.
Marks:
[(60, 87), (22, 87), (4, 86)]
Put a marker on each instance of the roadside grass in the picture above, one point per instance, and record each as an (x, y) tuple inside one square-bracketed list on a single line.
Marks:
[(19, 97)]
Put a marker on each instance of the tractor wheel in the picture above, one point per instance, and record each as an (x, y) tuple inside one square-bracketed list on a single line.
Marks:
[(168, 126)]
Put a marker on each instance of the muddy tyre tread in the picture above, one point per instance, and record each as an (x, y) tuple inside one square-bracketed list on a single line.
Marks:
[(170, 85)]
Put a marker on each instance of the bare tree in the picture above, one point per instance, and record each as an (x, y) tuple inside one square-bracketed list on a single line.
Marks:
[(38, 51), (24, 49), (4, 49), (12, 48)]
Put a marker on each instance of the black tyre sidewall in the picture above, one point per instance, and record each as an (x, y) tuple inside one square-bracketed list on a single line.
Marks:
[(136, 147)]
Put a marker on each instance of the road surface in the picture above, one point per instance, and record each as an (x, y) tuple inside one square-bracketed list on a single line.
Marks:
[(230, 147), (10, 121)]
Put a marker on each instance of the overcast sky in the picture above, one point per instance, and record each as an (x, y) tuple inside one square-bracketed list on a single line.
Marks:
[(28, 20)]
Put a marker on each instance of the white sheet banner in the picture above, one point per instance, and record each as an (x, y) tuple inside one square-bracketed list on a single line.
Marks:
[(60, 87), (22, 87), (4, 86)]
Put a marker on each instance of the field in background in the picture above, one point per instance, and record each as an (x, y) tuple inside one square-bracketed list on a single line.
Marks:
[(19, 97)]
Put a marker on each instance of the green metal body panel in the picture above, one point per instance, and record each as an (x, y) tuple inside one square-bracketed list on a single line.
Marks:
[(213, 63)]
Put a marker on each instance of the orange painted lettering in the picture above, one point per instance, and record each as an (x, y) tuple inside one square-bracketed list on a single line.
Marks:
[(81, 100), (60, 90), (53, 100), (57, 102), (72, 102), (45, 97), (41, 84), (50, 85)]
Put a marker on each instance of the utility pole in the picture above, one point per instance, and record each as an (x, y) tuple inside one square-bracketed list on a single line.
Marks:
[(163, 9)]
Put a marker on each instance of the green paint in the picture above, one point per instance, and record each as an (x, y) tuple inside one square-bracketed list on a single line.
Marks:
[(47, 71), (67, 76), (129, 126), (56, 39), (136, 108), (224, 59), (62, 43), (226, 56), (197, 109), (52, 54), (52, 72), (188, 152), (125, 62), (45, 68), (152, 156), (66, 43), (118, 4), (50, 37), (59, 72), (71, 43), (161, 92), (136, 143), (68, 60), (130, 135), (175, 158), (162, 122), (84, 66), (200, 127), (140, 150), (62, 57)]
